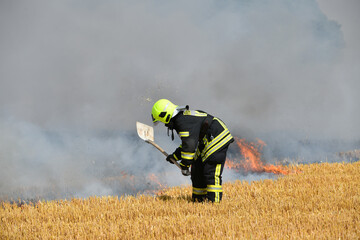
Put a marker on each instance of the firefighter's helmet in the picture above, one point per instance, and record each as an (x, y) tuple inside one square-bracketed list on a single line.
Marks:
[(162, 111)]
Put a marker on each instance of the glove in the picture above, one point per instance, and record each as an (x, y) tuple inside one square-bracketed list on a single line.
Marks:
[(185, 170), (168, 158)]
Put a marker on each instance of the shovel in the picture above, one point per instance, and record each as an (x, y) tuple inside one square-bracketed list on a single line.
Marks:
[(146, 133)]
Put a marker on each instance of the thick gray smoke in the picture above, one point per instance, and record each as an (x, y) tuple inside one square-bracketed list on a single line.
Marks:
[(76, 75)]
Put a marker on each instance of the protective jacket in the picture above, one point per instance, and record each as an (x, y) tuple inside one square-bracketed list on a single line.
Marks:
[(201, 135)]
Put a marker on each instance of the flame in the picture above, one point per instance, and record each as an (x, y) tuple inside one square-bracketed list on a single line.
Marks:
[(160, 187), (252, 159), (154, 179)]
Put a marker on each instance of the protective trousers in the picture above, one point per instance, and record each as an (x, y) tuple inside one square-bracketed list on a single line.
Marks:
[(206, 177)]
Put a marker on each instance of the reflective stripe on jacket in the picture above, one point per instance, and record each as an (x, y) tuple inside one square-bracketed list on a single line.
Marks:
[(188, 124)]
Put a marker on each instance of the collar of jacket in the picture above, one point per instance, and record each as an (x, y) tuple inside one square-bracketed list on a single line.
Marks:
[(170, 125)]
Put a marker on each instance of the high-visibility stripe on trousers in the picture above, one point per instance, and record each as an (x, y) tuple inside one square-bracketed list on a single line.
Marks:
[(206, 178)]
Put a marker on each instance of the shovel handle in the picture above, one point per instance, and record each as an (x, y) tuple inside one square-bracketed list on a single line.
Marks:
[(163, 152)]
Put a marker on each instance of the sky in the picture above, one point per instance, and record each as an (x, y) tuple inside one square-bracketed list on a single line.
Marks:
[(75, 76)]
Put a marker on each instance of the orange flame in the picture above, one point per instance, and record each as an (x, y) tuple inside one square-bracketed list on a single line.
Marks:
[(152, 177), (252, 159)]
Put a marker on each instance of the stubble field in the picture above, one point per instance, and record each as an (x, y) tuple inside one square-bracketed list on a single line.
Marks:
[(320, 202)]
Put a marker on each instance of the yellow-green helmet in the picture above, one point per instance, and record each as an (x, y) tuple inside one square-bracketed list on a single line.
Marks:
[(162, 111)]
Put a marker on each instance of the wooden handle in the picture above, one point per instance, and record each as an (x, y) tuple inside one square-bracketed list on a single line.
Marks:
[(163, 152)]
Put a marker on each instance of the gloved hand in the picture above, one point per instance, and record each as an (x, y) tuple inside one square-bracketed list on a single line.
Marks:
[(168, 158), (185, 170)]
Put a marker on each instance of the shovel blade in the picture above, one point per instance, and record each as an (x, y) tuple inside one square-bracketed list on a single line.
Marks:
[(145, 132)]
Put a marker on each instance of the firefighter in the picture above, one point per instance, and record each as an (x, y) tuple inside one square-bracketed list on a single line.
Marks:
[(204, 142)]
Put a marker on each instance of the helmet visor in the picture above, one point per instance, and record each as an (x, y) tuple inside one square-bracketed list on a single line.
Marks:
[(155, 122), (153, 119)]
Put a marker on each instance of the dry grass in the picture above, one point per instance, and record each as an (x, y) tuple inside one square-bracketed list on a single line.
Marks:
[(322, 202)]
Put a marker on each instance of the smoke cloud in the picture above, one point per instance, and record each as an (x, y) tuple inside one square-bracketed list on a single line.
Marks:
[(75, 76)]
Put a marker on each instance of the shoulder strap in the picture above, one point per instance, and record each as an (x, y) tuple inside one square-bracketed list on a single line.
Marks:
[(195, 113)]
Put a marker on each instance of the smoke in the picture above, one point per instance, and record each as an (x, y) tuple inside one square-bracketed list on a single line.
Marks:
[(76, 75), (38, 163)]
